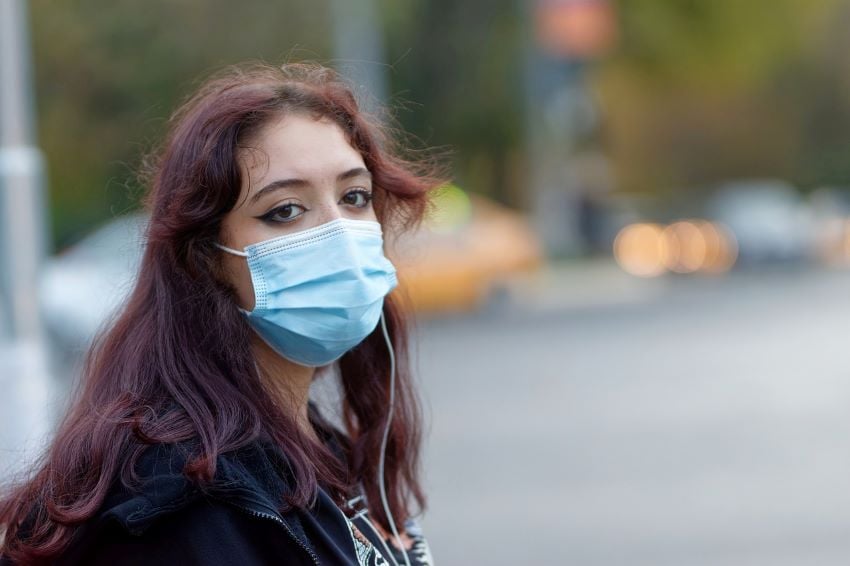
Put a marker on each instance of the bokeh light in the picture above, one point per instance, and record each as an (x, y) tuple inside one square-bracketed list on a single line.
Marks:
[(452, 208), (684, 247), (640, 249)]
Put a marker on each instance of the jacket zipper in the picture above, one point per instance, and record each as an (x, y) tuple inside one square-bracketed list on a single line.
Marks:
[(279, 521)]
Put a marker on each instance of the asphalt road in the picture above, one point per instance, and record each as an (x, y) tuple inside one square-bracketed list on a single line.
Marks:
[(600, 421)]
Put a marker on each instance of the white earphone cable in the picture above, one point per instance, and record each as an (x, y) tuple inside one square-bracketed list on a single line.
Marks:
[(381, 461)]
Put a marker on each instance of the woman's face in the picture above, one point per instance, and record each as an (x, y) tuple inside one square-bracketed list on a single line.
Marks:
[(303, 173)]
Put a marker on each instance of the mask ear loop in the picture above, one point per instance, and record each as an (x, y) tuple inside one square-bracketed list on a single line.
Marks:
[(230, 250), (381, 461)]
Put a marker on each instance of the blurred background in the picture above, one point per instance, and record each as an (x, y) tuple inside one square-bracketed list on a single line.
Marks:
[(632, 299)]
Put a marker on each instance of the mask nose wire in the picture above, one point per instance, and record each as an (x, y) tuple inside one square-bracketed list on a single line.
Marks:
[(382, 460)]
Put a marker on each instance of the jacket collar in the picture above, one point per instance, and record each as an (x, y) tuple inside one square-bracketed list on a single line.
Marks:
[(252, 477)]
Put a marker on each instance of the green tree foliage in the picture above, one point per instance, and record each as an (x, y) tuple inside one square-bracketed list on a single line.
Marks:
[(699, 92), (696, 91), (108, 75), (456, 70)]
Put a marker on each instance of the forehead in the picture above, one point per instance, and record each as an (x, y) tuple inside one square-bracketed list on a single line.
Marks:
[(299, 146)]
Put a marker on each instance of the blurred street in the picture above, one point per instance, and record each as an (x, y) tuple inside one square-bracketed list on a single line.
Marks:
[(602, 420)]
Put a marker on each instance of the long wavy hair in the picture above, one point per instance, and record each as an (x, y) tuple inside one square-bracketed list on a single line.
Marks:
[(176, 363)]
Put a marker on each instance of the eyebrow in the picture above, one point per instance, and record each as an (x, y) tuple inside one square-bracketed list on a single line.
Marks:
[(293, 183)]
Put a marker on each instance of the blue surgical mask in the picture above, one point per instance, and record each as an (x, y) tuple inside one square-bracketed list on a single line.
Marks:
[(319, 292)]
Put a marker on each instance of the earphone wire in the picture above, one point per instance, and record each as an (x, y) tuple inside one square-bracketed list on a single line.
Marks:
[(381, 478)]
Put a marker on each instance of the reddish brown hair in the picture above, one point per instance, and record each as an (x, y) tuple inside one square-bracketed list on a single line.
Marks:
[(176, 364)]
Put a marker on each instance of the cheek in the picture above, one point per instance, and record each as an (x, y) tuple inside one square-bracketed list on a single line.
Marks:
[(239, 276), (369, 214)]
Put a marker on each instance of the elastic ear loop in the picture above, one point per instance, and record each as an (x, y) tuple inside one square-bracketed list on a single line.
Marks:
[(381, 461), (231, 250)]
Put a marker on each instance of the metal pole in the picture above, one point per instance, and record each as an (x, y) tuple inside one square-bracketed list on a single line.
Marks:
[(554, 99), (21, 179), (358, 48), (24, 376)]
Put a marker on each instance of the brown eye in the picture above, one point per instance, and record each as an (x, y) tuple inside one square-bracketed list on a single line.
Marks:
[(358, 197), (286, 213)]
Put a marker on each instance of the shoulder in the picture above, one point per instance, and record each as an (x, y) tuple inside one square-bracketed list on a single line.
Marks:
[(256, 470), (166, 516), (162, 487), (203, 531)]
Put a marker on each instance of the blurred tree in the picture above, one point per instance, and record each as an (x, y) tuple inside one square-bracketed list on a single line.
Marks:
[(696, 92), (108, 75), (458, 63), (700, 92), (819, 93)]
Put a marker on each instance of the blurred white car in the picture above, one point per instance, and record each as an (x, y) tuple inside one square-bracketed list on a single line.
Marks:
[(770, 220), (82, 287)]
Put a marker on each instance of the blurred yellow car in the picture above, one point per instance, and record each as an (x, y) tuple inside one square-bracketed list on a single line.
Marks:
[(463, 253)]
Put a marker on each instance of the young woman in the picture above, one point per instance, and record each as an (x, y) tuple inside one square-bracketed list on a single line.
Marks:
[(191, 439)]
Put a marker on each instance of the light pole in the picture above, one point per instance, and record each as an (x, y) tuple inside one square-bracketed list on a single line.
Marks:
[(358, 48), (561, 36), (24, 378)]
